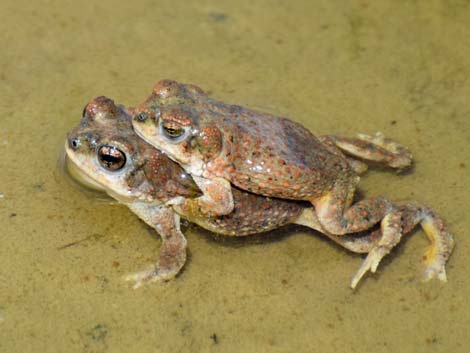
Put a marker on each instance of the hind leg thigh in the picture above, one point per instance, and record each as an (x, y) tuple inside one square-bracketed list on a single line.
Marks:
[(338, 217)]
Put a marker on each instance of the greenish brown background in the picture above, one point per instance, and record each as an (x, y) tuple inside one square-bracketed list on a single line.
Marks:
[(400, 67)]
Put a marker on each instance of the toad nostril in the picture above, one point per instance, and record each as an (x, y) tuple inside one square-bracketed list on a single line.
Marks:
[(74, 143), (141, 117)]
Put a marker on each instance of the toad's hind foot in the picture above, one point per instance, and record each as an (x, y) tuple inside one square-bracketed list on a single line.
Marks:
[(376, 148), (391, 235), (442, 243), (435, 257), (396, 155)]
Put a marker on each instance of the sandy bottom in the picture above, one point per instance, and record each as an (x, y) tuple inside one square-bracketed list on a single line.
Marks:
[(338, 67)]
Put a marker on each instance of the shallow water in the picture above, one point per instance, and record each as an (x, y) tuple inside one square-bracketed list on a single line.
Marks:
[(400, 67)]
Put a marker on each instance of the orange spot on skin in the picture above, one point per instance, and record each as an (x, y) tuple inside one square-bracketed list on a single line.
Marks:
[(262, 185), (286, 184)]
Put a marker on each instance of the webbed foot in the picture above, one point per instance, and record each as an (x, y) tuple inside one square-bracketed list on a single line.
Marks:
[(396, 155), (375, 148), (391, 235)]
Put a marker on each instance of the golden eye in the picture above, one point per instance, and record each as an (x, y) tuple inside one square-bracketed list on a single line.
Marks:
[(172, 129), (111, 158)]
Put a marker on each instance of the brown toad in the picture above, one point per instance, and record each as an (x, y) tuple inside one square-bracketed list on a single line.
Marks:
[(222, 145)]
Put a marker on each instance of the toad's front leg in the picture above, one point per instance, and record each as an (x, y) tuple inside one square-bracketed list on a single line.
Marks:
[(172, 255), (217, 199)]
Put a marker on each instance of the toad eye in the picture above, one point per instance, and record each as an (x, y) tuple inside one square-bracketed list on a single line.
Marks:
[(173, 131), (111, 158)]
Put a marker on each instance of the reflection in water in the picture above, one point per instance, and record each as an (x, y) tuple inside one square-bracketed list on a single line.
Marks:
[(67, 170)]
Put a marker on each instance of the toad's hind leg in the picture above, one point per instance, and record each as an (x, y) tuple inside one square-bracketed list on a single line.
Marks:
[(358, 243), (406, 217), (376, 148), (391, 235), (377, 243), (337, 215), (380, 241)]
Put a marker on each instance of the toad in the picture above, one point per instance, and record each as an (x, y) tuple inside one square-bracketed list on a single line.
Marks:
[(105, 149), (223, 145)]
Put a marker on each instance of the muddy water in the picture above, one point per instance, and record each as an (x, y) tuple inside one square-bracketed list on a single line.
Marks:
[(338, 67)]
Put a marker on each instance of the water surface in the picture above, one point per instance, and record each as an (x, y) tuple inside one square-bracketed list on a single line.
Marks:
[(400, 67)]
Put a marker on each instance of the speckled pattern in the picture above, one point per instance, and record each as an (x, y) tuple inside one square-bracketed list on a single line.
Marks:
[(105, 123), (259, 152), (220, 143), (105, 148)]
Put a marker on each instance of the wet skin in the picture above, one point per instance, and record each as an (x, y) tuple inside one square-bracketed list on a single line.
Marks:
[(107, 151), (222, 145), (108, 154)]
